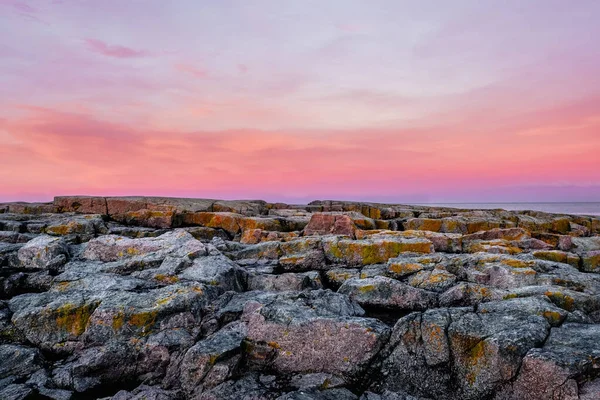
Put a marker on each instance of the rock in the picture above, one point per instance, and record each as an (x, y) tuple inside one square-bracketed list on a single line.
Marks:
[(18, 362), (286, 281), (112, 248), (570, 353), (591, 261), (16, 392), (227, 221), (557, 256), (160, 219), (372, 251), (144, 392), (439, 280), (469, 294), (52, 322), (402, 266), (248, 387), (312, 394), (209, 299), (253, 236), (336, 224), (486, 352), (211, 361), (337, 276), (541, 306), (387, 293), (217, 271), (43, 252), (313, 333), (81, 204), (317, 380)]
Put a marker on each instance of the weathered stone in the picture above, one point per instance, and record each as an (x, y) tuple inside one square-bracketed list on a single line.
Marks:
[(571, 354), (336, 224), (43, 252), (372, 251), (81, 204), (18, 362), (310, 334), (286, 281), (438, 280), (483, 351), (232, 306), (212, 361), (557, 256), (112, 248), (229, 222), (216, 271), (388, 293), (590, 261), (314, 394)]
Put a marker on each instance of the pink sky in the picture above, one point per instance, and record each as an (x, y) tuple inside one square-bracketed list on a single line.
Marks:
[(293, 101)]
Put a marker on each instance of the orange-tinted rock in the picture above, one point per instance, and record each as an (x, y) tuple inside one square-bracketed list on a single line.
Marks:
[(265, 224), (591, 261), (227, 221), (122, 205), (147, 218), (27, 208), (372, 251), (423, 224), (325, 224), (493, 234), (253, 236), (557, 256), (81, 204)]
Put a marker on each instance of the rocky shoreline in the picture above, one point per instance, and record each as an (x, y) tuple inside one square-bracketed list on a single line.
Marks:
[(163, 298)]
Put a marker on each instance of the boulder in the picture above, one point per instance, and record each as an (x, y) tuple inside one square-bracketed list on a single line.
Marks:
[(112, 247), (327, 223), (43, 252), (387, 293), (372, 251), (319, 331)]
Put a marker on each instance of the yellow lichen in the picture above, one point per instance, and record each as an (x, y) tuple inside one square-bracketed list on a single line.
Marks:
[(118, 321), (366, 288), (144, 320), (168, 279), (562, 300), (553, 317), (74, 319)]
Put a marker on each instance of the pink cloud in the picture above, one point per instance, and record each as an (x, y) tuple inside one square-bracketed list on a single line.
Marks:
[(190, 69), (98, 46), (82, 154)]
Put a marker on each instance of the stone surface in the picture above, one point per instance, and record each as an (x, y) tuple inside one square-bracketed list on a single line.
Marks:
[(166, 298)]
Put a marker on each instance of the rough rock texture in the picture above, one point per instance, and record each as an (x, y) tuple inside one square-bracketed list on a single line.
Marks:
[(162, 298)]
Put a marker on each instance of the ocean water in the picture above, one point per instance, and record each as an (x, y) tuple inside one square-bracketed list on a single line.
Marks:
[(557, 208)]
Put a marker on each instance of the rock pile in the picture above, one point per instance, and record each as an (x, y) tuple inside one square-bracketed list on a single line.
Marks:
[(162, 298)]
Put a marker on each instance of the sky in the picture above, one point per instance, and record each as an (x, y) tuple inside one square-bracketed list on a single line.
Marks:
[(391, 101)]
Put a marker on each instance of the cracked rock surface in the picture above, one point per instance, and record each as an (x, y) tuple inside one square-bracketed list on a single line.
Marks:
[(164, 298)]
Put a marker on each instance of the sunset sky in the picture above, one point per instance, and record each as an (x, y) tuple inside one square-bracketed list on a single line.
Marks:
[(395, 101)]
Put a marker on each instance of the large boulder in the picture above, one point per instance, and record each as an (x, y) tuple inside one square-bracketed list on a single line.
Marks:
[(177, 243), (458, 354), (43, 252), (372, 251), (570, 357), (319, 331), (326, 223), (211, 361)]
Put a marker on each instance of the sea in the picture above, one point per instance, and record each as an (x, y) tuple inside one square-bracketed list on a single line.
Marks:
[(592, 208)]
